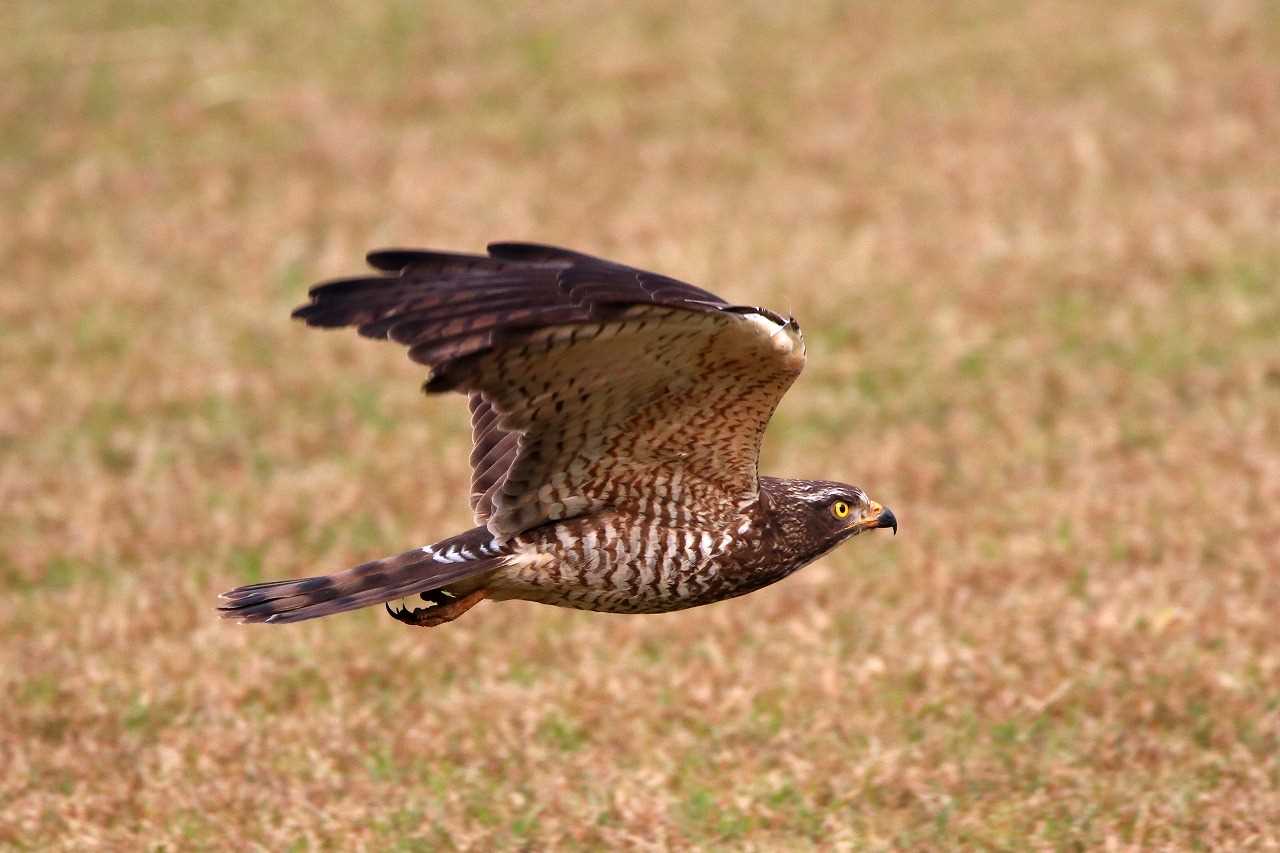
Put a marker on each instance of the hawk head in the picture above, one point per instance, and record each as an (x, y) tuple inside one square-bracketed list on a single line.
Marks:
[(815, 516)]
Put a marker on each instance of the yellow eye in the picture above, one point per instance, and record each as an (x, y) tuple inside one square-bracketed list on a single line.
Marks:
[(840, 509)]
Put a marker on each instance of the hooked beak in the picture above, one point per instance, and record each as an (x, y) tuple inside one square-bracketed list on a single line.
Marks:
[(888, 519), (880, 516)]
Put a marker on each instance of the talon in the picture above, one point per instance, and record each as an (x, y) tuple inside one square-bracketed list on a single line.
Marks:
[(401, 615), (450, 608)]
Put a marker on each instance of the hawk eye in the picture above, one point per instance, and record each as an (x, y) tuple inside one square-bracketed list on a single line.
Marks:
[(840, 509)]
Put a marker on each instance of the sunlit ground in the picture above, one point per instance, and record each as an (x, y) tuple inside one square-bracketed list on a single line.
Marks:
[(1035, 250)]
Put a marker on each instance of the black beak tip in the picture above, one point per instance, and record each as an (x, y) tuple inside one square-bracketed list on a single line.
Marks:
[(888, 519)]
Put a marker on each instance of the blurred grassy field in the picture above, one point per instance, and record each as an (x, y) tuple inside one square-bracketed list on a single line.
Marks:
[(1036, 251)]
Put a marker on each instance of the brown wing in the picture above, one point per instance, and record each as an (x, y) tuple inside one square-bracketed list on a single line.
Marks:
[(492, 450), (591, 383)]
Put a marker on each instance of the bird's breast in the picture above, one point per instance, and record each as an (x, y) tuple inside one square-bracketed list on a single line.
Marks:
[(629, 563)]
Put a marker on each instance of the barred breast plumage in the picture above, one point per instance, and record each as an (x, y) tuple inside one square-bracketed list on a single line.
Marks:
[(622, 562), (616, 419)]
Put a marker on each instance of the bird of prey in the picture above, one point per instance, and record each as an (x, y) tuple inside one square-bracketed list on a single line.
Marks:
[(616, 420)]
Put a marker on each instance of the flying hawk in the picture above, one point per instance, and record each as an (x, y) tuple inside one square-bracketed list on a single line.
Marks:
[(616, 420)]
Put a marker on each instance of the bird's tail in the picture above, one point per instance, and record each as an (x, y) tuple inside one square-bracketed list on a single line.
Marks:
[(420, 570)]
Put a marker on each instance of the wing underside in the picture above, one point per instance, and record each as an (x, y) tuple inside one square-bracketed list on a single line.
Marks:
[(590, 383)]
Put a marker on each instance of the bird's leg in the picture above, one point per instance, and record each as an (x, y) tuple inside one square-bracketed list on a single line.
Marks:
[(438, 614)]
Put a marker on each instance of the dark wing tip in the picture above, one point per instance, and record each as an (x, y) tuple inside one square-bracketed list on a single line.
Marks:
[(440, 381), (394, 259), (323, 315), (511, 250), (305, 312)]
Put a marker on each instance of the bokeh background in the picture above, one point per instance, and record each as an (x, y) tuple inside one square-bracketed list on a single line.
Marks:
[(1035, 247)]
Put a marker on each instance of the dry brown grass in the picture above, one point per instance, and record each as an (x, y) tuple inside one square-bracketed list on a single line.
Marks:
[(1035, 249)]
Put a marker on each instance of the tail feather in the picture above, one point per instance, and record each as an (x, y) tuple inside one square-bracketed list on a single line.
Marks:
[(375, 582)]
